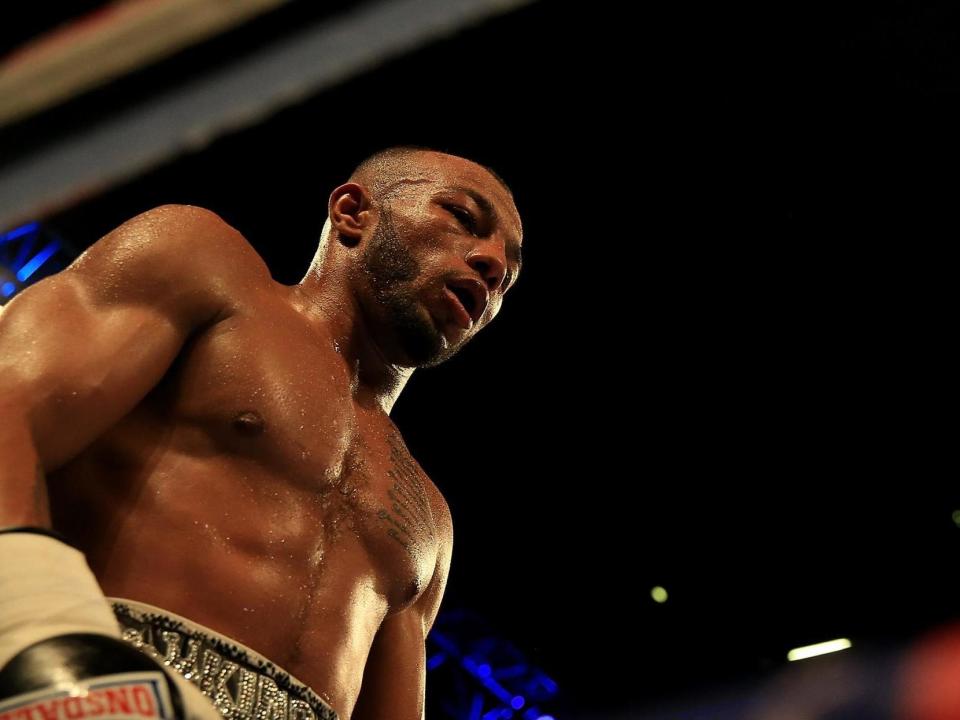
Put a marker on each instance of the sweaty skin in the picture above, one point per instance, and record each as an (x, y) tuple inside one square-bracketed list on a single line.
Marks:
[(260, 488), (249, 492)]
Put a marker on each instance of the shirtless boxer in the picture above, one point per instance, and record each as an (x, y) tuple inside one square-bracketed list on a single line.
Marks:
[(219, 445)]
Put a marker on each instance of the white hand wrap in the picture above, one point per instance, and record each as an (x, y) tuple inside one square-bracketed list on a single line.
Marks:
[(47, 589)]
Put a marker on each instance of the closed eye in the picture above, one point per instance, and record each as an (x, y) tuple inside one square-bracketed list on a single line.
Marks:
[(465, 217)]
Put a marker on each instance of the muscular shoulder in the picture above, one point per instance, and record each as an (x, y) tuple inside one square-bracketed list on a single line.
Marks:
[(174, 253), (182, 236), (429, 601), (428, 604), (442, 517)]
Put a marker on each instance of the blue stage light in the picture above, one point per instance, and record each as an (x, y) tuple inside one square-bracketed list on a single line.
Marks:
[(34, 263), (19, 232), (510, 687)]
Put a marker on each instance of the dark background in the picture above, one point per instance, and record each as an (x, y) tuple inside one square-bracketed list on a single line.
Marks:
[(726, 368)]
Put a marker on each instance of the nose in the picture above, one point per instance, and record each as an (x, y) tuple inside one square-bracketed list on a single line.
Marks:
[(490, 264)]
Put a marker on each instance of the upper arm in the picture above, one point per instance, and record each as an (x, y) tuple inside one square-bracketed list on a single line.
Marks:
[(80, 349), (394, 679), (429, 602)]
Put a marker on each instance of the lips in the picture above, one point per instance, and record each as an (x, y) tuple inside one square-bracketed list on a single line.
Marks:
[(472, 296), (460, 313)]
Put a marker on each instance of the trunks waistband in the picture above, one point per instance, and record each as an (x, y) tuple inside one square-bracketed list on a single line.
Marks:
[(242, 684)]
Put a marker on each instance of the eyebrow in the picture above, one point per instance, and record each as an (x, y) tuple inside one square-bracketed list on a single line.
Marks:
[(512, 250)]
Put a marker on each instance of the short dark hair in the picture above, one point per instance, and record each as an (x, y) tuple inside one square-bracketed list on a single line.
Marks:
[(385, 163)]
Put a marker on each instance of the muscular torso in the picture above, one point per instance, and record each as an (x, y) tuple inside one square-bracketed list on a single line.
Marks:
[(251, 493)]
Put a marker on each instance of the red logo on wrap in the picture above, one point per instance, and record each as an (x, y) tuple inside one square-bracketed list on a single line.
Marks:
[(127, 696)]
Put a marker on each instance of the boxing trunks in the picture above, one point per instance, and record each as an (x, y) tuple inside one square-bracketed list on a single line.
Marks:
[(241, 684)]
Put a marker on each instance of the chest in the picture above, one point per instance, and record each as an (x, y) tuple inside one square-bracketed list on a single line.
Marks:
[(267, 387), (265, 412)]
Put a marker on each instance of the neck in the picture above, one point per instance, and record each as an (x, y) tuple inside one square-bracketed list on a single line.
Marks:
[(326, 303)]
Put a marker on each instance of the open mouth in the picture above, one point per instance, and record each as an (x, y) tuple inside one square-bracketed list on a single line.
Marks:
[(471, 295), (466, 299), (461, 315)]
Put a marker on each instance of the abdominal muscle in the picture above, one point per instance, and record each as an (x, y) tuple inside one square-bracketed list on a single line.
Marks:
[(276, 567)]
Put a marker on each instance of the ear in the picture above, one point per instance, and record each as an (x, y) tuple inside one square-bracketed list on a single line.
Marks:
[(349, 207)]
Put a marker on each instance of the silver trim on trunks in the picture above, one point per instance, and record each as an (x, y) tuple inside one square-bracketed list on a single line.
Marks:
[(241, 684)]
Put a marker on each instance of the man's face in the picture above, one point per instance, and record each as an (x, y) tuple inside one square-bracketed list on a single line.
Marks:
[(442, 255)]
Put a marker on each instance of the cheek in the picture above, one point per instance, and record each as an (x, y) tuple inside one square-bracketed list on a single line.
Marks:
[(422, 223), (391, 262)]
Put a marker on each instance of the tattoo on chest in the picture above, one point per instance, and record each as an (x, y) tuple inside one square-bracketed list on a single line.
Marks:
[(408, 519)]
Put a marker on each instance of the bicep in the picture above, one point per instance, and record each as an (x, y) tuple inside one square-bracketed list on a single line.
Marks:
[(74, 368), (80, 349), (394, 679)]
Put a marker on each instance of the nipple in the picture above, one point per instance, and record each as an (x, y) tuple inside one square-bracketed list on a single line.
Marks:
[(249, 423)]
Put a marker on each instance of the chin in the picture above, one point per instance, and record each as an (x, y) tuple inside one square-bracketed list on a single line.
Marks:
[(417, 338), (427, 350), (420, 343)]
